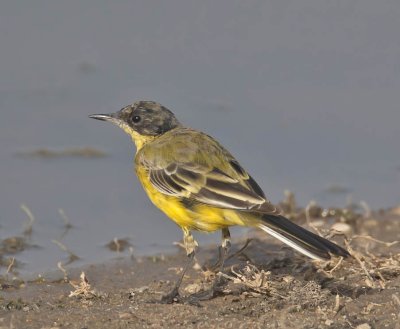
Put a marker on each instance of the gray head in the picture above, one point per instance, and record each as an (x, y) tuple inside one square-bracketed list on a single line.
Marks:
[(145, 118)]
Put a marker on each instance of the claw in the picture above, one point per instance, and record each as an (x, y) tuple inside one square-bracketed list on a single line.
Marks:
[(172, 297), (175, 297), (204, 295), (209, 294)]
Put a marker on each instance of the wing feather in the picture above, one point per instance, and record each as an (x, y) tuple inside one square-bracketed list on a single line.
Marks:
[(210, 187), (207, 173)]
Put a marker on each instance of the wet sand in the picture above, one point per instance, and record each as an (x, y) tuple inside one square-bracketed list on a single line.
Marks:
[(265, 285)]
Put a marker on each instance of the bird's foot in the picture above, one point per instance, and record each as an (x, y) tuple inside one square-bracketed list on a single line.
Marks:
[(204, 295), (172, 297)]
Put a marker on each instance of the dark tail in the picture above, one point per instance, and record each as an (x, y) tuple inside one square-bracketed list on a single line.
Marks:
[(304, 241)]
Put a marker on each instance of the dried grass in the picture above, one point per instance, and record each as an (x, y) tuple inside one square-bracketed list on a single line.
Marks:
[(83, 289)]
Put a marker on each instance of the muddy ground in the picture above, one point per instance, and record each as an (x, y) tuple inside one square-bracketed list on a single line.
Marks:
[(264, 285)]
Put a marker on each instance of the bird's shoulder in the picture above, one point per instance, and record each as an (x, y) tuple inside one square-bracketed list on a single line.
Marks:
[(196, 151), (184, 145), (189, 163)]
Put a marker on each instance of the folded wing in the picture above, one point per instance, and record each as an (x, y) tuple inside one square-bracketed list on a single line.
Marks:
[(210, 185)]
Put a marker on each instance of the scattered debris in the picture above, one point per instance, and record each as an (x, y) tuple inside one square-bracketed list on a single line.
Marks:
[(71, 256), (67, 222), (11, 265), (118, 245), (31, 219), (251, 277), (84, 152), (342, 228), (83, 288), (363, 326), (285, 288), (60, 266), (13, 245)]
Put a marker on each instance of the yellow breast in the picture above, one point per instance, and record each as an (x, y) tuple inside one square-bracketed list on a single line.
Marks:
[(199, 217)]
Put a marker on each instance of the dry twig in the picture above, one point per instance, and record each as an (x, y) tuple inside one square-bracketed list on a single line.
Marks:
[(312, 203), (28, 225), (83, 288), (368, 237), (10, 266)]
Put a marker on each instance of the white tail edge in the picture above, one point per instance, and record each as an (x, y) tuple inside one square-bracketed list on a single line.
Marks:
[(289, 242)]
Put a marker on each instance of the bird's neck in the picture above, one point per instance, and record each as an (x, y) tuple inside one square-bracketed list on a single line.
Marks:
[(141, 140)]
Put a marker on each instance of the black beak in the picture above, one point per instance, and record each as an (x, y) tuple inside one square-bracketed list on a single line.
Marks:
[(111, 117), (104, 117)]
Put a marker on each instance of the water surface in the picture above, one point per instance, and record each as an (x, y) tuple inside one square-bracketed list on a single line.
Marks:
[(304, 94)]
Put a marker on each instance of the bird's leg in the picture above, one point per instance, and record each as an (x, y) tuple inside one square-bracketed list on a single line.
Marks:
[(190, 246), (225, 246)]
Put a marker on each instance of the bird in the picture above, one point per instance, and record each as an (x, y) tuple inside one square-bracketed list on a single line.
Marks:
[(201, 186)]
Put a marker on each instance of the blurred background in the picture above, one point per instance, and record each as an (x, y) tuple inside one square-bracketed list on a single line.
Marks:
[(304, 93)]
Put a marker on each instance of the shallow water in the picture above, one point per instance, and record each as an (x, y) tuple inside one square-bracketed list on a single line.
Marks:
[(306, 95)]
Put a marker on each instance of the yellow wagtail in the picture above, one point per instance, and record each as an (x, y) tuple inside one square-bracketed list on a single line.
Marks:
[(196, 182)]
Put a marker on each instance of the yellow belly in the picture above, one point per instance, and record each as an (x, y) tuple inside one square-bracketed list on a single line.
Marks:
[(199, 217)]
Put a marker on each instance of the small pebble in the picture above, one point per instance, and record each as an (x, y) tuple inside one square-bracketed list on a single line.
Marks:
[(363, 326)]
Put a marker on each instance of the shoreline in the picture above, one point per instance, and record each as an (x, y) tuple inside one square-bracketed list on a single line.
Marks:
[(264, 285)]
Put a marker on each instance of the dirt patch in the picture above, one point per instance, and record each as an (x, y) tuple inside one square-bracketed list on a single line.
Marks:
[(264, 285)]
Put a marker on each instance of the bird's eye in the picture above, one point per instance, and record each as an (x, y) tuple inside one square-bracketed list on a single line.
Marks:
[(136, 119)]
